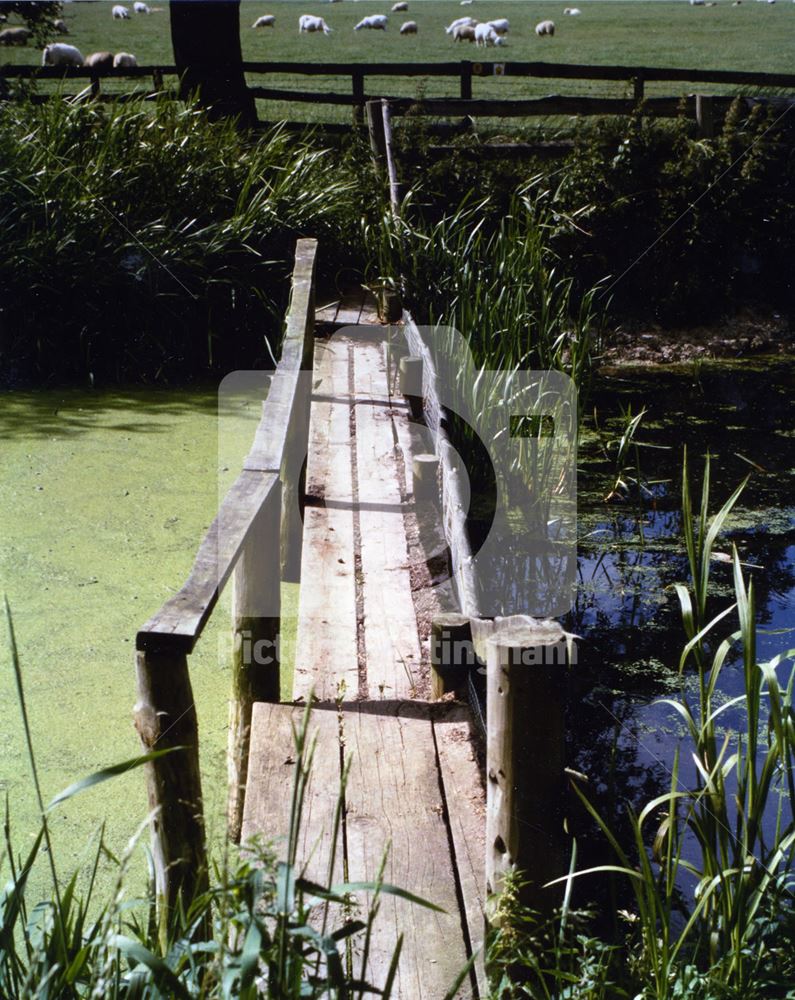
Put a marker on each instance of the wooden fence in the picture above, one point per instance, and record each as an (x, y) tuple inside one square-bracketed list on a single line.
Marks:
[(255, 539), (465, 72)]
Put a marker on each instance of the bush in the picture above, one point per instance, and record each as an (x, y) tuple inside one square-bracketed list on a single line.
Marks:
[(142, 241)]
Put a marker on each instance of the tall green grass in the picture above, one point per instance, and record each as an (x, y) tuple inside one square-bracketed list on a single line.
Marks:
[(142, 241), (262, 929)]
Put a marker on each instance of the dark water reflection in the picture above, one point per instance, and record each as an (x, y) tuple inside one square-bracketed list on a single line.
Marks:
[(631, 553)]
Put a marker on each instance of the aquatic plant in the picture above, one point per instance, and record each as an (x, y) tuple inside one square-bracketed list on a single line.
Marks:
[(263, 928)]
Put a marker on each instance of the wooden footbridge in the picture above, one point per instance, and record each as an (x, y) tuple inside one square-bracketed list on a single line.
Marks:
[(355, 519)]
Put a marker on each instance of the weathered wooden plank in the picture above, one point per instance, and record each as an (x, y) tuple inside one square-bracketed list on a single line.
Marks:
[(554, 105), (394, 803), (271, 774), (326, 645), (179, 623), (391, 640), (465, 797)]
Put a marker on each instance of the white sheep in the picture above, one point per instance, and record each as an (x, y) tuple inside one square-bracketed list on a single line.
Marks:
[(124, 60), (464, 33), (545, 28), (15, 36), (141, 8), (60, 26), (3, 18), (266, 21), (61, 54), (502, 25), (465, 3), (375, 22), (101, 61), (308, 22), (485, 35), (397, 7), (573, 11), (409, 28), (458, 22), (120, 13)]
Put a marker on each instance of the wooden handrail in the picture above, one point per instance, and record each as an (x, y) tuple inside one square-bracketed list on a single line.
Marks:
[(255, 534)]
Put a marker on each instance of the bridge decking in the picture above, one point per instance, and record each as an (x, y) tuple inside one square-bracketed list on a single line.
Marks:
[(414, 786)]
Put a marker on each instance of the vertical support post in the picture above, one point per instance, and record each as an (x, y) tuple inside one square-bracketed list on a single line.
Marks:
[(466, 80), (256, 608), (94, 85), (638, 88), (375, 126), (157, 79), (705, 116), (357, 80), (452, 651), (395, 194), (425, 477), (525, 757), (410, 383), (165, 717)]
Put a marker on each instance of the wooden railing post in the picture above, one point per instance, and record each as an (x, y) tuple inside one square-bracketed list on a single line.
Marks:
[(165, 717), (525, 782), (157, 78), (94, 85), (466, 81), (256, 623), (638, 88)]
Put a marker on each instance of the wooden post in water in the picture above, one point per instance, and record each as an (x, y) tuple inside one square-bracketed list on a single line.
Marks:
[(165, 717), (452, 652), (525, 782), (256, 606)]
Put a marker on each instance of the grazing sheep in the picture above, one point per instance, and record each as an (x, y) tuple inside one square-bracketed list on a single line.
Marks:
[(120, 13), (141, 8), (60, 26), (545, 28), (124, 60), (409, 28), (60, 54), (458, 22), (308, 22), (464, 33), (485, 36), (502, 25), (376, 22), (101, 61), (465, 3), (397, 7), (3, 18), (696, 3), (266, 21), (573, 11), (15, 36)]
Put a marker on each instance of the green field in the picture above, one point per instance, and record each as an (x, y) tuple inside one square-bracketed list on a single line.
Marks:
[(753, 37)]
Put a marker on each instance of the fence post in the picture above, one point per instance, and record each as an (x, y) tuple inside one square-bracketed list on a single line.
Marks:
[(375, 125), (357, 79), (466, 80), (165, 717), (94, 85), (256, 607), (157, 78), (638, 88), (526, 664), (705, 116)]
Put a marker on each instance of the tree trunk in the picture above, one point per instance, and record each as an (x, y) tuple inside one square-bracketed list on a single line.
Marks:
[(205, 35)]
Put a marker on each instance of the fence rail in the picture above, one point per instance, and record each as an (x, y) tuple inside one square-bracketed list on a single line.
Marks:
[(465, 71), (255, 539)]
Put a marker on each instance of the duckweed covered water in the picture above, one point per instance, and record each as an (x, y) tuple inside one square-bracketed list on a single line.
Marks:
[(104, 498)]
